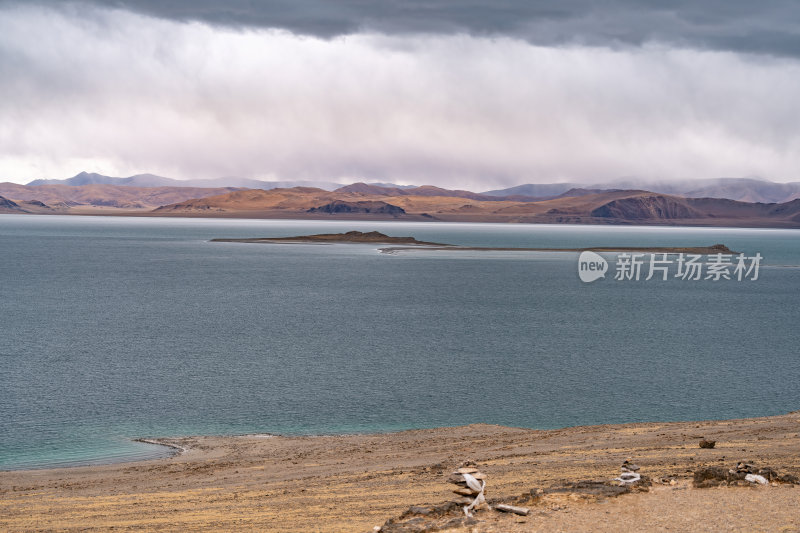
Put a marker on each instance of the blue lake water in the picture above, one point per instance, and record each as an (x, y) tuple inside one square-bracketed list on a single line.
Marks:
[(116, 328)]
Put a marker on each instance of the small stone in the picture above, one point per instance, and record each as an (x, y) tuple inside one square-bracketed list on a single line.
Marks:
[(465, 491), (708, 444), (458, 479), (630, 467), (523, 511)]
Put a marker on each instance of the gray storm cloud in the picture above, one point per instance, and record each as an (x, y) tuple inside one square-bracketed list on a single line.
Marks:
[(119, 92), (766, 26)]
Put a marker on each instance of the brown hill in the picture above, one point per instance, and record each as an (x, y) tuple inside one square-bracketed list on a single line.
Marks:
[(298, 199), (341, 206), (10, 206), (370, 190), (579, 206), (790, 210), (117, 196), (24, 206), (655, 207), (431, 190), (616, 207), (741, 189), (577, 191), (746, 190)]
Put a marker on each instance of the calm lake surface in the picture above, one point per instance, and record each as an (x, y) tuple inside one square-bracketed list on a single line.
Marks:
[(117, 328)]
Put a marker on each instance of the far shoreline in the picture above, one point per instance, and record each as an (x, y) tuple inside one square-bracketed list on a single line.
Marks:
[(367, 218), (731, 223)]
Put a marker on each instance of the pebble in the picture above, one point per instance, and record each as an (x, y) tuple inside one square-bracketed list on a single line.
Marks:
[(465, 491)]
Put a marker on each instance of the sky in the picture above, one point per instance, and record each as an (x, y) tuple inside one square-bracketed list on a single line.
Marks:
[(465, 94)]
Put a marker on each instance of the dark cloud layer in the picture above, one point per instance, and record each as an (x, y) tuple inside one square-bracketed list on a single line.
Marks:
[(767, 26)]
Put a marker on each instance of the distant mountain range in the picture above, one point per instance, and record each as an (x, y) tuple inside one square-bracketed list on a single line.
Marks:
[(151, 180), (742, 189), (102, 195), (606, 207), (719, 202)]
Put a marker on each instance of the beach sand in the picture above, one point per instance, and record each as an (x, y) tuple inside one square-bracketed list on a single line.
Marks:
[(353, 483)]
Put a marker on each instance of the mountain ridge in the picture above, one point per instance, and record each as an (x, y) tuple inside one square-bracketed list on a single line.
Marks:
[(153, 180), (743, 189), (575, 205), (604, 207)]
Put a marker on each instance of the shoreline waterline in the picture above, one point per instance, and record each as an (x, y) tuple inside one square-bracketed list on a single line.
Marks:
[(178, 447)]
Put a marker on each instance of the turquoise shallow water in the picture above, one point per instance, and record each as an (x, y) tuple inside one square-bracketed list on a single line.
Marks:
[(116, 328)]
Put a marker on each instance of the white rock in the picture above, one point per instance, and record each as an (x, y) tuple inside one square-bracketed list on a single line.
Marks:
[(755, 478), (626, 478)]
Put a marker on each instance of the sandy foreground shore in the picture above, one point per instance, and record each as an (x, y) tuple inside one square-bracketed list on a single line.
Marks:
[(353, 483)]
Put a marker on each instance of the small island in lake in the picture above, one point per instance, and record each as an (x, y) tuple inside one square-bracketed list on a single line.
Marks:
[(376, 237)]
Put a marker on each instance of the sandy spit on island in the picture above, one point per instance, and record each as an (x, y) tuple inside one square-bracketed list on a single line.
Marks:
[(356, 482)]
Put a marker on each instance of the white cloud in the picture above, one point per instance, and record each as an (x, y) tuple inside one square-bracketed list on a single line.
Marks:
[(120, 93)]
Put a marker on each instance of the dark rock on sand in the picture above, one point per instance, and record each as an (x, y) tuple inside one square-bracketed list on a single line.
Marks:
[(715, 476), (768, 473), (711, 476), (432, 511), (420, 525), (422, 519), (708, 443), (599, 489)]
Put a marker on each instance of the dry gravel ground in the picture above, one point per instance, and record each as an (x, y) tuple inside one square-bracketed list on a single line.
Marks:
[(679, 508), (352, 483)]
